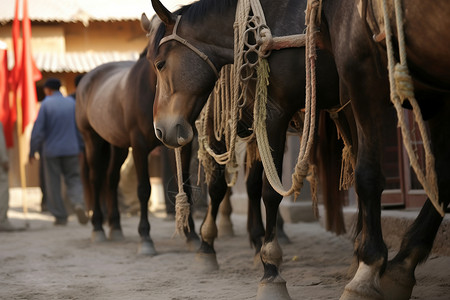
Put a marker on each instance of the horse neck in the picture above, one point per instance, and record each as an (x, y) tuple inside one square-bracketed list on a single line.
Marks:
[(216, 29)]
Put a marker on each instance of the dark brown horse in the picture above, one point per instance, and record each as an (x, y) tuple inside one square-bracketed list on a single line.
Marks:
[(353, 31), (106, 147), (186, 78), (113, 112)]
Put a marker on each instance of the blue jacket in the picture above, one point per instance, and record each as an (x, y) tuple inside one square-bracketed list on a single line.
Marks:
[(55, 132)]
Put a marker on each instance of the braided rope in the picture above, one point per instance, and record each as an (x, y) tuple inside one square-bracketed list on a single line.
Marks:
[(402, 88)]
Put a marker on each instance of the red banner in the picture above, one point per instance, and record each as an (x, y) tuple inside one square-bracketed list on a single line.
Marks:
[(5, 105), (30, 74), (25, 73)]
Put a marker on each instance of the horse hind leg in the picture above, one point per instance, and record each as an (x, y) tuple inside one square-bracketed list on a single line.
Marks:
[(398, 281), (118, 156), (96, 155)]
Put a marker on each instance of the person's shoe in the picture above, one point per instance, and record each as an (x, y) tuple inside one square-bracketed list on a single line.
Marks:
[(81, 215), (60, 222)]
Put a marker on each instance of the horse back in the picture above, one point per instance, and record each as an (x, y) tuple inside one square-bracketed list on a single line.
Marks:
[(99, 102)]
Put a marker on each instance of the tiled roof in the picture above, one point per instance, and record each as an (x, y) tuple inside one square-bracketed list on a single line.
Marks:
[(83, 10), (77, 62)]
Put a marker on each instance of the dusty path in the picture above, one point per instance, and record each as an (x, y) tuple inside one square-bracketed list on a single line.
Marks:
[(48, 262)]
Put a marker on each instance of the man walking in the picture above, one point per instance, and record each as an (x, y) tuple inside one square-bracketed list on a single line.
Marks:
[(56, 137)]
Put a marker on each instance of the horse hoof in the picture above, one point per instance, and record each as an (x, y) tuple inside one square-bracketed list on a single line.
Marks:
[(365, 284), (146, 248), (207, 262), (357, 290), (225, 228), (193, 244), (116, 235), (98, 236), (396, 283), (273, 289), (257, 263)]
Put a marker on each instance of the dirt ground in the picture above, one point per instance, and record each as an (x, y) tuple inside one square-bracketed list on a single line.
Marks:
[(48, 262)]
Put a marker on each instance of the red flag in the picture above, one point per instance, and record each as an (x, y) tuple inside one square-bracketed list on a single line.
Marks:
[(14, 76), (30, 73), (5, 106)]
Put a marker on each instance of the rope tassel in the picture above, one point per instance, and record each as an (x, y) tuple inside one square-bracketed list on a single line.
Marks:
[(182, 206)]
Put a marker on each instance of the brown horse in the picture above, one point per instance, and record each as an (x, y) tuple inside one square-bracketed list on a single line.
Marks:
[(113, 112), (354, 33), (186, 73)]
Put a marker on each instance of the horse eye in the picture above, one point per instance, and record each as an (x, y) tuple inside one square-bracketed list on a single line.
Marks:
[(160, 64)]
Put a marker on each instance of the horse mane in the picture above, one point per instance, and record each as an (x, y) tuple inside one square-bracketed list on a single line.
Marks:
[(197, 10), (143, 53), (194, 12)]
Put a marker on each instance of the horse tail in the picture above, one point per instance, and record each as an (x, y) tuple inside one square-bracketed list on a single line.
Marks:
[(87, 191), (328, 160)]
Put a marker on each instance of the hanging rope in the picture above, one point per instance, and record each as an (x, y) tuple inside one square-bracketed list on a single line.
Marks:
[(348, 161), (182, 206), (402, 89)]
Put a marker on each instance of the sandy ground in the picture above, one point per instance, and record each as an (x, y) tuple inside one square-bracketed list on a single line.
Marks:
[(48, 262)]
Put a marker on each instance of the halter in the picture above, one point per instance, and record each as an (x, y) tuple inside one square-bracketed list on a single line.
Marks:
[(176, 37)]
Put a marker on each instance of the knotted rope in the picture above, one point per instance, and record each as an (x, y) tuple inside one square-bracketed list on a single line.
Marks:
[(182, 206), (402, 89)]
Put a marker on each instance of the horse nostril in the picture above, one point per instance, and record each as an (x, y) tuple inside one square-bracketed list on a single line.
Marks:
[(159, 133)]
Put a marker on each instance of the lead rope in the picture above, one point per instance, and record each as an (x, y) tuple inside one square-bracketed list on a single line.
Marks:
[(302, 165), (182, 206), (402, 89)]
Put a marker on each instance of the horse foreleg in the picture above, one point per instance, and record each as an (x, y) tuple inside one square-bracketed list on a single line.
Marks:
[(140, 158), (225, 209), (398, 281), (206, 255), (255, 226), (371, 252), (272, 285), (192, 238)]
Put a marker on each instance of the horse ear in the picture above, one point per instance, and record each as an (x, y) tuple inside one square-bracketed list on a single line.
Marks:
[(145, 23), (163, 13)]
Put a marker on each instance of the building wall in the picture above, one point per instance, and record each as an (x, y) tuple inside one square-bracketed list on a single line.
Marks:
[(67, 37)]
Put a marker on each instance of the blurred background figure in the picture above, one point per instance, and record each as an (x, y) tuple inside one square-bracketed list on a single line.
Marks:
[(56, 136), (5, 225)]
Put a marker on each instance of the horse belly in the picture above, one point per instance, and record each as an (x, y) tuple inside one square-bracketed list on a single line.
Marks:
[(426, 26), (108, 122)]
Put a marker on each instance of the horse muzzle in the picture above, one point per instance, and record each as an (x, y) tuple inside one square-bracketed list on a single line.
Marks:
[(173, 132)]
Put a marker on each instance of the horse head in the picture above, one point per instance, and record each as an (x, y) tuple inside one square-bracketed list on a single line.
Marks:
[(185, 75)]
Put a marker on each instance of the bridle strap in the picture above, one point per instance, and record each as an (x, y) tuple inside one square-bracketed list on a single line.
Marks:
[(174, 36)]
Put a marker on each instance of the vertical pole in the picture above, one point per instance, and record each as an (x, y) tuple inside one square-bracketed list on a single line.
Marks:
[(22, 163)]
